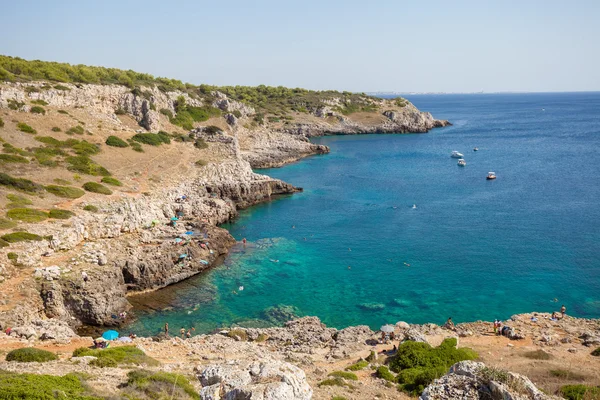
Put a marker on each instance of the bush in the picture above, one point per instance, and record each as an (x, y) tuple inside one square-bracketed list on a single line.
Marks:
[(37, 110), (566, 374), (61, 214), (238, 334), (3, 243), (201, 163), (537, 355), (19, 200), (164, 137), (56, 129), (159, 384), (7, 223), (27, 214), (1, 123), (104, 362), (344, 374), (120, 111), (116, 142), (167, 112), (336, 382), (96, 188), (418, 364), (120, 355), (358, 365), (42, 387), (384, 373), (39, 102), (13, 158), (15, 105), (29, 354), (67, 192), (24, 185), (85, 165), (200, 144), (148, 138), (135, 146), (63, 111), (91, 208), (75, 130), (580, 392), (20, 237), (237, 113), (23, 127), (111, 181), (596, 352)]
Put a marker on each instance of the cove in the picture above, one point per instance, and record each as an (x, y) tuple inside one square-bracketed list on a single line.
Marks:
[(352, 250)]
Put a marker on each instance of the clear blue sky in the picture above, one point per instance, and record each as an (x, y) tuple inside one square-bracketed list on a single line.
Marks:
[(450, 46)]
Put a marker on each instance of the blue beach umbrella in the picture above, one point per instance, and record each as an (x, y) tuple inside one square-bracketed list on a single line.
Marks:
[(189, 233), (174, 219), (110, 335)]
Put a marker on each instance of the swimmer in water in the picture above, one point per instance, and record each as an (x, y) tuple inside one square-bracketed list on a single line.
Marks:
[(349, 267), (274, 260)]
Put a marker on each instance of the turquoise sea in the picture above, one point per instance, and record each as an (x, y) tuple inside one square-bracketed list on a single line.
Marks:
[(351, 249)]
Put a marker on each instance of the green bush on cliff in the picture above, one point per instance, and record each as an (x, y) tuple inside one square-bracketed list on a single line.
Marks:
[(77, 130), (7, 223), (27, 214), (61, 214), (344, 374), (111, 181), (148, 138), (120, 355), (1, 123), (418, 364), (13, 158), (67, 192), (20, 237), (116, 142), (384, 373), (23, 127), (37, 110), (596, 352), (39, 102), (29, 354), (580, 392), (15, 386), (85, 165), (24, 185), (91, 208), (143, 384), (96, 188), (361, 364)]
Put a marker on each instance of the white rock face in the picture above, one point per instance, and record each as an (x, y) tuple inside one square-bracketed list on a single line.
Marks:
[(266, 380)]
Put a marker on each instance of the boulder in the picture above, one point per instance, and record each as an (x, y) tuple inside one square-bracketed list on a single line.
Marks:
[(414, 336)]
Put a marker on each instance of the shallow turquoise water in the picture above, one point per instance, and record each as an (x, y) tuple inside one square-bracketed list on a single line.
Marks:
[(477, 249)]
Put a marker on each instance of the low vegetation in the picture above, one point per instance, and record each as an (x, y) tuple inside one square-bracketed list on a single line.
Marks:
[(7, 223), (337, 381), (39, 102), (344, 374), (27, 214), (358, 365), (111, 181), (537, 355), (1, 123), (13, 158), (580, 392), (76, 130), (238, 334), (143, 384), (85, 165), (90, 208), (384, 373), (37, 110), (200, 144), (16, 237), (29, 354), (201, 163), (24, 185), (67, 192), (418, 364), (95, 187), (56, 129), (118, 355), (596, 352), (152, 139), (116, 142), (23, 127), (61, 214), (18, 201), (43, 387)]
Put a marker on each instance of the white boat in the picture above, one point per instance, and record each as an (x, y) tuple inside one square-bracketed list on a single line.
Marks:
[(462, 162), (491, 175), (475, 148), (456, 154)]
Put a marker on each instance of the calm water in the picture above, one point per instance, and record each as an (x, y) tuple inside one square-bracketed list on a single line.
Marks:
[(477, 249)]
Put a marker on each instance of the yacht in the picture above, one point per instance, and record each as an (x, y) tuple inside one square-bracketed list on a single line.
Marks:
[(461, 162), (491, 175), (456, 154), (475, 148)]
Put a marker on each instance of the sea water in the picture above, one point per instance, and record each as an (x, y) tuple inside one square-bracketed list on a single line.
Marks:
[(389, 228)]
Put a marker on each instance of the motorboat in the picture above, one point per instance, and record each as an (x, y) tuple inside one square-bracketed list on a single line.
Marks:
[(456, 154), (475, 148), (461, 162), (491, 175)]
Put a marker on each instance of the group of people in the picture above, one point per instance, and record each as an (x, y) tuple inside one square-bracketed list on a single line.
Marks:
[(185, 334)]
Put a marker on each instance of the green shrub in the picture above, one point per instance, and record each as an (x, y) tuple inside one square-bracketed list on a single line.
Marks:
[(1, 123), (148, 138), (111, 181), (10, 149), (3, 243), (566, 374), (27, 214), (13, 257), (384, 373), (336, 382), (238, 334), (121, 355), (344, 374), (7, 223), (20, 200), (163, 385), (167, 112), (15, 105), (61, 181), (13, 158), (63, 112), (91, 208), (200, 144), (15, 386), (56, 129), (23, 127), (164, 137), (338, 398), (37, 110), (104, 362), (21, 237), (182, 138), (24, 185), (537, 355), (120, 111), (84, 148), (116, 142), (596, 352), (67, 192), (75, 130), (135, 146), (358, 365), (237, 113), (29, 354), (580, 392), (85, 165), (39, 102), (61, 214), (96, 188), (201, 163), (418, 364)]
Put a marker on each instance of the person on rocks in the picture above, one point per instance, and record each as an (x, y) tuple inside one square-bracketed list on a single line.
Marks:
[(188, 334), (449, 324), (167, 329), (563, 311), (244, 241), (182, 332)]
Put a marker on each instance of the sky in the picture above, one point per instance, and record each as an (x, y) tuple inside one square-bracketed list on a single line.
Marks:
[(361, 46)]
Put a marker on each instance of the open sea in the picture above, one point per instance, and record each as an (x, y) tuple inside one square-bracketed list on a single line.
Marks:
[(351, 249)]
